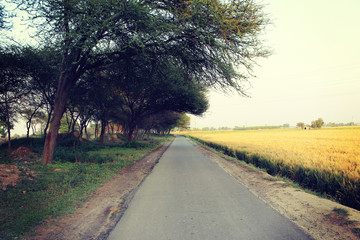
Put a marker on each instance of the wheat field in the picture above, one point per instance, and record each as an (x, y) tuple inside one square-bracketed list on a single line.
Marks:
[(325, 160), (336, 150)]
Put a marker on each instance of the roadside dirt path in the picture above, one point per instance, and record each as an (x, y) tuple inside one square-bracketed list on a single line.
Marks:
[(100, 214)]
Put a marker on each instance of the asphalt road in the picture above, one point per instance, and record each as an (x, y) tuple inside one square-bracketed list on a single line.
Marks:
[(187, 196)]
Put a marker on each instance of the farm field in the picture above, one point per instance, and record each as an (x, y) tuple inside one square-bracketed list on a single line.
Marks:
[(326, 160)]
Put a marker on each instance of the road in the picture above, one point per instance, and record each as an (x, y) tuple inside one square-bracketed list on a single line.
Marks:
[(187, 196)]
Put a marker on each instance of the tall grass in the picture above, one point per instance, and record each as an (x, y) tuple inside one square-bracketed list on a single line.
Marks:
[(326, 161), (58, 188)]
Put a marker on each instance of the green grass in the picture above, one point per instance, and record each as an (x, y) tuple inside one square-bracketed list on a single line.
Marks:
[(58, 188), (343, 215), (340, 212)]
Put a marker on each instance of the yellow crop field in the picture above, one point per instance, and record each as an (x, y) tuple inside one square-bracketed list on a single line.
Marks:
[(334, 149), (326, 160)]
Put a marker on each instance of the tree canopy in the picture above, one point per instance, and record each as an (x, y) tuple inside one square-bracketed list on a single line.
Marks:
[(14, 86), (317, 123), (206, 43)]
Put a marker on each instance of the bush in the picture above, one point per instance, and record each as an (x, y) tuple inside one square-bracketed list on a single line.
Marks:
[(134, 144), (63, 154)]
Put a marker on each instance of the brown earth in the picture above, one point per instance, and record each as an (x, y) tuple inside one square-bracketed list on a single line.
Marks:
[(11, 174), (22, 153), (100, 214)]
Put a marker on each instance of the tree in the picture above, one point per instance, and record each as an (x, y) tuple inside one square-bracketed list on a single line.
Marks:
[(183, 122), (13, 87), (317, 123), (28, 114), (2, 21), (3, 128), (205, 37), (300, 125), (161, 123), (4, 15), (39, 118), (169, 90), (42, 64)]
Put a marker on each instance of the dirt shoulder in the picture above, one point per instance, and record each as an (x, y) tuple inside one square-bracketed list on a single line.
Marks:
[(313, 214), (95, 218)]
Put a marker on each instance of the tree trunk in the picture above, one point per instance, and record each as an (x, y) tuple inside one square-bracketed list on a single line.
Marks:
[(86, 133), (33, 127), (9, 141), (111, 125), (9, 137), (130, 135), (136, 135), (8, 124), (62, 93), (102, 133), (28, 125), (48, 121), (96, 129), (131, 130)]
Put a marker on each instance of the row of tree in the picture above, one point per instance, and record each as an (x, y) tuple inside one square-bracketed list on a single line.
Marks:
[(137, 63), (105, 95)]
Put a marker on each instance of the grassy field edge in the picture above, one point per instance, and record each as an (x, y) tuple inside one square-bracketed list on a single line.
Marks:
[(49, 191)]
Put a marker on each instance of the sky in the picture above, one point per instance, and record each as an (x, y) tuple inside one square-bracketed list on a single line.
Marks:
[(313, 72)]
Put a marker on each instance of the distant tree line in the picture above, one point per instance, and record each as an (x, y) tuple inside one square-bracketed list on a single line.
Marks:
[(320, 123), (314, 125)]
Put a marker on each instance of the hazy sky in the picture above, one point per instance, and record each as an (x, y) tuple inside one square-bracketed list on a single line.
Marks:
[(314, 70)]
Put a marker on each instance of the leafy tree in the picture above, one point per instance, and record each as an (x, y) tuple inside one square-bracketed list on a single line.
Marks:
[(97, 98), (28, 114), (300, 125), (13, 87), (42, 65), (169, 90), (4, 16), (183, 122), (3, 128), (205, 37), (2, 21), (39, 118), (161, 122), (317, 123)]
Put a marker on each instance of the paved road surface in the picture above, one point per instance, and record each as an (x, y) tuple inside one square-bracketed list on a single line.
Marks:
[(187, 196)]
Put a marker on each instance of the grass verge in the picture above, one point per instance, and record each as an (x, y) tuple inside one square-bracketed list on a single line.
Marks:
[(56, 189)]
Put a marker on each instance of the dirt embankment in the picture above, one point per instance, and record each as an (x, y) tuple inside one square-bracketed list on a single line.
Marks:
[(99, 215)]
